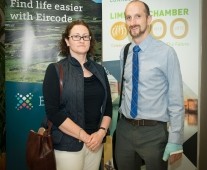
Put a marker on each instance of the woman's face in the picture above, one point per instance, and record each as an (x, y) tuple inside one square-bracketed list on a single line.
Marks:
[(79, 40)]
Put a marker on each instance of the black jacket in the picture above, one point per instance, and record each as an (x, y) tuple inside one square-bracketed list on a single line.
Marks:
[(71, 102)]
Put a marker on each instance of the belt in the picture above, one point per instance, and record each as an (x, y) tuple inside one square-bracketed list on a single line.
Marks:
[(141, 122)]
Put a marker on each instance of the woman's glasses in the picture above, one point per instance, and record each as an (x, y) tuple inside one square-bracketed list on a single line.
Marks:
[(78, 37)]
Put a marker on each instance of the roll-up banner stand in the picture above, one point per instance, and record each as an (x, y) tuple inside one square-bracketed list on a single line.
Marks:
[(33, 30), (177, 24)]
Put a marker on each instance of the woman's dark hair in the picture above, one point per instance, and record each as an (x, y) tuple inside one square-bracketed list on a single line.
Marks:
[(64, 49)]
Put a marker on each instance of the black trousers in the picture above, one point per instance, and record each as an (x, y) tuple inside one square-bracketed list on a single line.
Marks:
[(133, 144)]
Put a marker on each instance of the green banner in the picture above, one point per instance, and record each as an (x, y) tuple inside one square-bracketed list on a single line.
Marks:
[(33, 30)]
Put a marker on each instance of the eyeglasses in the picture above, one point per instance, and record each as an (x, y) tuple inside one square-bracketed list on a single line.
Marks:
[(78, 37)]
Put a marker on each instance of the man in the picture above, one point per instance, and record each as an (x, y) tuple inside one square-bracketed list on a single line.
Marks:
[(142, 131)]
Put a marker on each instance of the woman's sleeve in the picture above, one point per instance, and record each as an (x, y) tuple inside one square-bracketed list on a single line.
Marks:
[(51, 94), (108, 111)]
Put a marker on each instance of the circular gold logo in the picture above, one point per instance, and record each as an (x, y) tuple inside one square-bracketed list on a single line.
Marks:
[(119, 31)]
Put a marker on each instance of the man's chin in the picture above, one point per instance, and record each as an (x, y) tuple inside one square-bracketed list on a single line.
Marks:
[(134, 35)]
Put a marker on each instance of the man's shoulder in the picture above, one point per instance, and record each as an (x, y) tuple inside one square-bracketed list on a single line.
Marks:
[(159, 42), (125, 47)]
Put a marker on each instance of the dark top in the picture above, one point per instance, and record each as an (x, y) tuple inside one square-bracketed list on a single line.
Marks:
[(93, 98), (53, 86)]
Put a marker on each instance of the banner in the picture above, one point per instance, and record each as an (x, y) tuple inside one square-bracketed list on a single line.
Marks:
[(33, 30), (175, 23)]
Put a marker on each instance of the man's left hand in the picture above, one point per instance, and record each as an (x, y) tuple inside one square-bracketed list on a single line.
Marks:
[(175, 157), (173, 152)]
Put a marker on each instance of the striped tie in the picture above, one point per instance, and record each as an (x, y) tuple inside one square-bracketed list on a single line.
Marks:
[(135, 79)]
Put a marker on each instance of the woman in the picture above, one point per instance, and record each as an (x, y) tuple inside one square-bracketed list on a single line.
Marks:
[(81, 114)]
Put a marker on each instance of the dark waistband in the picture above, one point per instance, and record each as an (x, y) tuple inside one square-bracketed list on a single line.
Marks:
[(141, 122)]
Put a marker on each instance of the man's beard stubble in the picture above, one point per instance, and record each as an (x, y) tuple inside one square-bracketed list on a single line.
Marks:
[(140, 33)]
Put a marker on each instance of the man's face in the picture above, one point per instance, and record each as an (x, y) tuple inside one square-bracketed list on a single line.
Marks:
[(136, 19)]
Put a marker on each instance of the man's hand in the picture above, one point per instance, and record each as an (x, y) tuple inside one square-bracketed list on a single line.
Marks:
[(173, 152), (174, 157)]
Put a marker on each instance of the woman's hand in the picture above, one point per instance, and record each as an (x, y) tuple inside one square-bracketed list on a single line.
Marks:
[(84, 137), (96, 140)]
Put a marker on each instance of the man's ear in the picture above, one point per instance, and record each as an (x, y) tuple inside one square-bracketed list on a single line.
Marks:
[(149, 19)]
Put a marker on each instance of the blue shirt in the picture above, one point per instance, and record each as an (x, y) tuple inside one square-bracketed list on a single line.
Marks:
[(160, 88)]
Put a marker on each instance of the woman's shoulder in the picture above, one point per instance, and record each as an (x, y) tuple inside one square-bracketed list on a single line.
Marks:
[(99, 66), (51, 66)]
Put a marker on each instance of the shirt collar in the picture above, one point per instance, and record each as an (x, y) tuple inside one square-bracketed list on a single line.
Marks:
[(144, 44)]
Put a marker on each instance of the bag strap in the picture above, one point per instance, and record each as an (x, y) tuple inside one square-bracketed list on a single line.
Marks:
[(59, 69), (126, 49)]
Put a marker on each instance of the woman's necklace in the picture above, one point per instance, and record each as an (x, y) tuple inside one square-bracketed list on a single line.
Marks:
[(83, 68)]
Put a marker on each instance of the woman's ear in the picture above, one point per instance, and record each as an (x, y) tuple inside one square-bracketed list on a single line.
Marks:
[(67, 42)]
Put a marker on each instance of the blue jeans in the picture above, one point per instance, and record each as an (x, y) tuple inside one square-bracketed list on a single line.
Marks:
[(136, 143)]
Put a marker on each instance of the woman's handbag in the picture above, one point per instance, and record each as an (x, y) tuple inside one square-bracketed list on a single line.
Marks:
[(39, 150)]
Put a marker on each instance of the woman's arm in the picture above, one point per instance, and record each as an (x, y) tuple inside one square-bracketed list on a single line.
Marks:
[(72, 129)]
